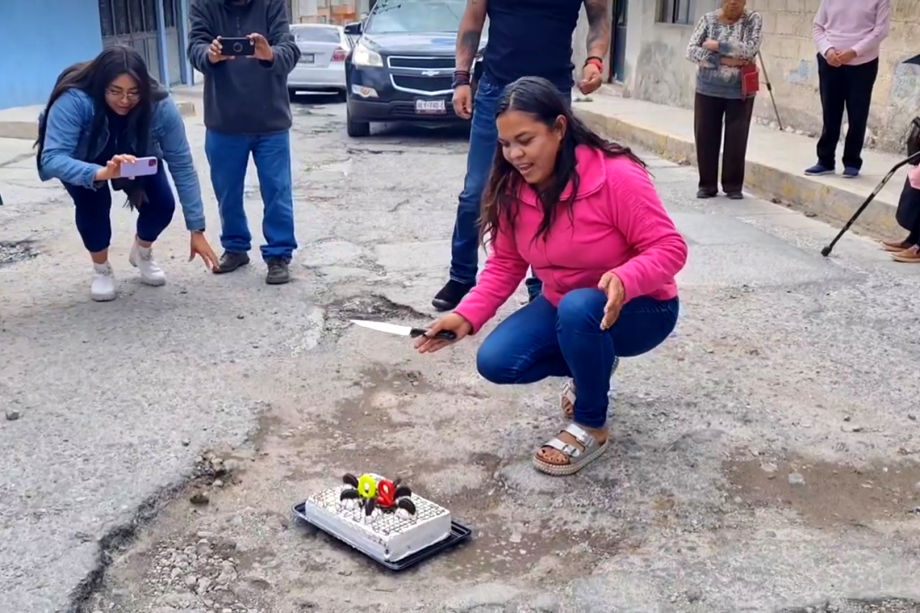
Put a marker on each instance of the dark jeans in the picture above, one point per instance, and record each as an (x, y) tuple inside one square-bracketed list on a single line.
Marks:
[(92, 210), (228, 156), (464, 262), (709, 115), (540, 341), (849, 87), (908, 212)]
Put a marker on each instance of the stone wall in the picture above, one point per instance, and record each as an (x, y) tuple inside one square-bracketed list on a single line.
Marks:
[(791, 63), (657, 69)]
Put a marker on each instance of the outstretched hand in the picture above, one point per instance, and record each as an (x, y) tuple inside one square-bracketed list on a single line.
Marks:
[(611, 285), (199, 246), (454, 322)]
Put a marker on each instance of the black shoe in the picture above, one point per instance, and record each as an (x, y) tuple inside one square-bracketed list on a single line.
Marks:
[(450, 295), (707, 193), (735, 195), (231, 260), (278, 273)]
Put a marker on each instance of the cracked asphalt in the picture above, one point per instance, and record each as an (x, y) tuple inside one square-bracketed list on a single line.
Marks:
[(765, 458)]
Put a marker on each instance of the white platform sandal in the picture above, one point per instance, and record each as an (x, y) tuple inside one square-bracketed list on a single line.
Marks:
[(577, 457)]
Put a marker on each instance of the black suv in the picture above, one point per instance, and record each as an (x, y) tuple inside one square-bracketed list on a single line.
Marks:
[(402, 65)]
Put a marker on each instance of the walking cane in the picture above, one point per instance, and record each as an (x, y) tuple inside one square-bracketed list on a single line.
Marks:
[(770, 89), (909, 160)]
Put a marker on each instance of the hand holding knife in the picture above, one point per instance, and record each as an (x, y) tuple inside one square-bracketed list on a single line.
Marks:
[(445, 331), (446, 335)]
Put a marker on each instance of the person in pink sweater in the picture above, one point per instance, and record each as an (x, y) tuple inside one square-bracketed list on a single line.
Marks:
[(848, 35), (583, 212)]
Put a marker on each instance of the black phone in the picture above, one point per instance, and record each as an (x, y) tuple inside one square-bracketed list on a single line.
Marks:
[(237, 46)]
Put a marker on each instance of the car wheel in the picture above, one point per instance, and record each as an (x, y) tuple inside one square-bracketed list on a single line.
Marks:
[(357, 129)]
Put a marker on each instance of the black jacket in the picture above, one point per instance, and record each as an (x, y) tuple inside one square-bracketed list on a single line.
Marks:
[(243, 95)]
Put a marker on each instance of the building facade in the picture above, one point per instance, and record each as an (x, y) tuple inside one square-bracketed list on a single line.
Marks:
[(649, 59), (338, 12), (53, 34)]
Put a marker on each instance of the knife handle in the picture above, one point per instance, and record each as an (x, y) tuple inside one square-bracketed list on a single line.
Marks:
[(444, 335)]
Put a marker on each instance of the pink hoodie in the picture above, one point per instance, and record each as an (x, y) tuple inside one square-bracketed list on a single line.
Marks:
[(914, 176), (620, 226)]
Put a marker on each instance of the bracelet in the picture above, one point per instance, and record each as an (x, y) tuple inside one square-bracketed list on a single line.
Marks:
[(461, 77), (593, 59)]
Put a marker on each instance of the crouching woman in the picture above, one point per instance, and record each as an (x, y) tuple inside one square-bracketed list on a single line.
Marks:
[(583, 212), (105, 113)]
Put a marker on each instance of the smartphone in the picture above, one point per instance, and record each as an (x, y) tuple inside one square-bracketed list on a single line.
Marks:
[(143, 167), (237, 46)]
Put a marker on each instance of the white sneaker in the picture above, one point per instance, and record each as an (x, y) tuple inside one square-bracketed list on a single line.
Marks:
[(103, 287), (142, 259)]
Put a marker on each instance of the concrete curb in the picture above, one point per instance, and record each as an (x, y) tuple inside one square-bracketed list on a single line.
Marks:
[(28, 130), (796, 191)]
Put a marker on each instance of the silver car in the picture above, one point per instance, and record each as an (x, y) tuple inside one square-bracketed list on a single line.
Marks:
[(323, 49)]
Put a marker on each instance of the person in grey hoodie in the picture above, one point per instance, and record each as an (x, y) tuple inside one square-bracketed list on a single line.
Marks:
[(247, 111)]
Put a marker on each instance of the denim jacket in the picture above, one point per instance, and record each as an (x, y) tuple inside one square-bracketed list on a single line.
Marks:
[(67, 149)]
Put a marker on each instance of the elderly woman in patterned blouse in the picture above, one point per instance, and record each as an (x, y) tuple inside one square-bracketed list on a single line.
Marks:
[(724, 42)]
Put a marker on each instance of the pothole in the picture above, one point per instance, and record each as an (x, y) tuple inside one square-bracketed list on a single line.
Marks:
[(16, 251), (829, 494), (373, 307), (861, 605), (379, 151)]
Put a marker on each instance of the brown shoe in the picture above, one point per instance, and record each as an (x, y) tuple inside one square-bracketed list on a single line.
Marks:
[(895, 246), (908, 256)]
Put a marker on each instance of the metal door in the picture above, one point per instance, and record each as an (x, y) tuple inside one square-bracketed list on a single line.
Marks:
[(134, 23), (618, 48)]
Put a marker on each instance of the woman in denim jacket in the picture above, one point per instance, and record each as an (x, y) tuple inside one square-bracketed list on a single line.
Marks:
[(105, 113)]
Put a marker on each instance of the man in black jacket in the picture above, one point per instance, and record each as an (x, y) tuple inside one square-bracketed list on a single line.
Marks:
[(247, 110)]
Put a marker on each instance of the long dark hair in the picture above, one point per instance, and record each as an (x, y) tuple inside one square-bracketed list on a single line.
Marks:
[(94, 77), (540, 98)]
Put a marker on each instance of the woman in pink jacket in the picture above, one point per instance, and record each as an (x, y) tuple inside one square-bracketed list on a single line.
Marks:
[(583, 212)]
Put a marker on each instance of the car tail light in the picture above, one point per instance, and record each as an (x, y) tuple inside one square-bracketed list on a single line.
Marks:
[(339, 55)]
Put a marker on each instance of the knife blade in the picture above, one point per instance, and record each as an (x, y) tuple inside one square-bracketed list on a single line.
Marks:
[(380, 326)]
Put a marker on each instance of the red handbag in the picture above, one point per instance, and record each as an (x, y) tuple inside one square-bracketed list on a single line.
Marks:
[(750, 80)]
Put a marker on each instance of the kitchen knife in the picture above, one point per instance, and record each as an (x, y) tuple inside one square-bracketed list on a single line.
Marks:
[(446, 335)]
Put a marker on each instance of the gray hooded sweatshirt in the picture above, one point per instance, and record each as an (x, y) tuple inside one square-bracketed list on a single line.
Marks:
[(243, 95)]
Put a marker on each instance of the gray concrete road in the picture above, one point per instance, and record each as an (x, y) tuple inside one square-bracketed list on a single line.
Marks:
[(764, 459)]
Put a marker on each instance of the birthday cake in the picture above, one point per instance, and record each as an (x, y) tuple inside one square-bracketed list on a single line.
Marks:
[(382, 518)]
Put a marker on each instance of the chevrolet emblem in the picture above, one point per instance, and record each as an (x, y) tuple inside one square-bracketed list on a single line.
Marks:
[(431, 73)]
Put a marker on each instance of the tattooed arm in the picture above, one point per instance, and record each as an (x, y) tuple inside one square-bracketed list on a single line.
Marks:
[(598, 43), (598, 28), (469, 33)]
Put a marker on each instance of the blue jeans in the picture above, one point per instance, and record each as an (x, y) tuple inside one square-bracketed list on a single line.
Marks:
[(92, 208), (540, 341), (228, 156), (464, 262)]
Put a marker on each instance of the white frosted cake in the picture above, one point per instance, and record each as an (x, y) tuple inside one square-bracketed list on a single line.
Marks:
[(386, 535)]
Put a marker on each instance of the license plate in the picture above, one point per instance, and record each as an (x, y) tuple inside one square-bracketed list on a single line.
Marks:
[(430, 107), (307, 58)]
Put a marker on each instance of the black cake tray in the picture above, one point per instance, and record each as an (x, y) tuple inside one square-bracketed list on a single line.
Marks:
[(458, 534)]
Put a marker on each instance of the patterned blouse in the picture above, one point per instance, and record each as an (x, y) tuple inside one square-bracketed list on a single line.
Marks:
[(740, 40)]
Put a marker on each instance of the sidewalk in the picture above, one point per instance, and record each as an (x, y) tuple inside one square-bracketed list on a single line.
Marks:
[(775, 160), (21, 122)]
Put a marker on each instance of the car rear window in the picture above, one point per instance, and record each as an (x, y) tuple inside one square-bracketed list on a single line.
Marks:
[(316, 35)]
